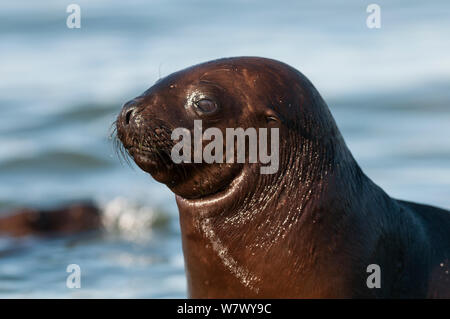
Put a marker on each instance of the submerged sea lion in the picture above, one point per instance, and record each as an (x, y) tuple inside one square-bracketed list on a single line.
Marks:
[(64, 220), (311, 229)]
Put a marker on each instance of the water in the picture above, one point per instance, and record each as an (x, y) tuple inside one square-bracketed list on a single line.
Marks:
[(60, 90)]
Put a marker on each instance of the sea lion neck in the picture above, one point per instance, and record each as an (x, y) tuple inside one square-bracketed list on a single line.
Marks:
[(249, 239), (243, 233), (309, 164)]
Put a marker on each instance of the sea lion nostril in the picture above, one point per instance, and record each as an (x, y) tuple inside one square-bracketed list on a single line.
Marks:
[(128, 110), (128, 116)]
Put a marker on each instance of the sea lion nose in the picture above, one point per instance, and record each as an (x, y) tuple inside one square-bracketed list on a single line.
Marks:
[(128, 111)]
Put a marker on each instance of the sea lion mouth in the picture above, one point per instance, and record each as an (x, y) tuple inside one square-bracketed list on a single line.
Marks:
[(154, 160), (227, 192), (159, 164), (178, 177), (148, 145), (150, 159)]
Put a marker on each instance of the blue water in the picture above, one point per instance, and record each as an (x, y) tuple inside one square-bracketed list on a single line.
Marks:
[(60, 90)]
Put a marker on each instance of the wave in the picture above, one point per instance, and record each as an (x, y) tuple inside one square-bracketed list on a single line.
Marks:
[(132, 219)]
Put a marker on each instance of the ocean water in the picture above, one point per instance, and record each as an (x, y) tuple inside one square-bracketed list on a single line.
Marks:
[(61, 89)]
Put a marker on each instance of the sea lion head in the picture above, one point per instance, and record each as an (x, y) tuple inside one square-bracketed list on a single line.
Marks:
[(243, 92)]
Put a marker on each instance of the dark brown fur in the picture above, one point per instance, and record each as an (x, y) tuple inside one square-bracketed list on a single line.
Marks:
[(308, 231)]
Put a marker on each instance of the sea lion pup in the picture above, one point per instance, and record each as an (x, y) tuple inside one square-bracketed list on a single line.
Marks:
[(309, 230)]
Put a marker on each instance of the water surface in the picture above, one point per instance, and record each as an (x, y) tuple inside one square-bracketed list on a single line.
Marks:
[(61, 89)]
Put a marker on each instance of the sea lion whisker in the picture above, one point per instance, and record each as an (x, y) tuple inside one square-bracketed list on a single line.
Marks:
[(120, 150)]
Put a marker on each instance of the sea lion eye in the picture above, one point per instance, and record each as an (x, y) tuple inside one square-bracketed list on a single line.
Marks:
[(205, 106)]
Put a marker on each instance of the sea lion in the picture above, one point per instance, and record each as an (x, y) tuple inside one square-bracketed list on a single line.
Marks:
[(63, 220), (310, 230)]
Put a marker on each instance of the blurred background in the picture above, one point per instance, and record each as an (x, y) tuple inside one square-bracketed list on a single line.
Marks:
[(61, 88)]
